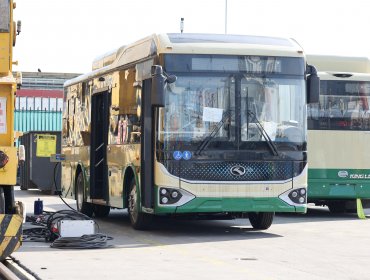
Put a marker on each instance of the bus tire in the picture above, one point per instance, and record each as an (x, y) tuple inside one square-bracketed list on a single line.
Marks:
[(138, 219), (82, 206), (101, 211), (261, 220), (337, 207)]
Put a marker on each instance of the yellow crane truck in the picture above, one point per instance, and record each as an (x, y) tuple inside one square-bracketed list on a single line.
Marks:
[(10, 211)]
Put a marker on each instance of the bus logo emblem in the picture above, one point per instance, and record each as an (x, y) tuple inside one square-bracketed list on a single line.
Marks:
[(237, 170), (342, 174)]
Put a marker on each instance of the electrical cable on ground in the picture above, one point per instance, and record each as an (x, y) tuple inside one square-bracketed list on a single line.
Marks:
[(47, 228), (90, 241)]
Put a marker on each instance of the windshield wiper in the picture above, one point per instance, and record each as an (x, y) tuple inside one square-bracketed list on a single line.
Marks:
[(265, 135), (213, 133)]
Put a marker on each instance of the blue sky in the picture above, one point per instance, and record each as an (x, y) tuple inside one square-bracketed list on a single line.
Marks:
[(66, 35)]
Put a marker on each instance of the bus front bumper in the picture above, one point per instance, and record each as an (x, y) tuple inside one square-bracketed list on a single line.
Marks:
[(188, 203)]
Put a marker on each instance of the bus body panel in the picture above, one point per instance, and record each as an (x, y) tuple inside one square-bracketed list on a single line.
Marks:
[(338, 171)]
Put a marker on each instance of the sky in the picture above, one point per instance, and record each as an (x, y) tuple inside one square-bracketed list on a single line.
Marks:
[(66, 35)]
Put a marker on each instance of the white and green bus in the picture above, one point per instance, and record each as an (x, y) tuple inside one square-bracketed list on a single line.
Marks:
[(190, 124), (339, 133)]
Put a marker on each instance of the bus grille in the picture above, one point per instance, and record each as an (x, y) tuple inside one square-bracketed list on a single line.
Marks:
[(221, 171)]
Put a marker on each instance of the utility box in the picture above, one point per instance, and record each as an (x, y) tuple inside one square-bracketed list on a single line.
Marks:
[(37, 171)]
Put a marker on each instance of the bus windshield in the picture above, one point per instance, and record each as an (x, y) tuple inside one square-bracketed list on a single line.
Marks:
[(230, 106), (344, 105)]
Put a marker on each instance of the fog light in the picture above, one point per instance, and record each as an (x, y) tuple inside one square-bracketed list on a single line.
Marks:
[(174, 194), (301, 199), (164, 200), (294, 194), (303, 191), (163, 191)]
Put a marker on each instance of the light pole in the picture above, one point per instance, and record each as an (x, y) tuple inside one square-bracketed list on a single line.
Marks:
[(182, 25), (225, 16)]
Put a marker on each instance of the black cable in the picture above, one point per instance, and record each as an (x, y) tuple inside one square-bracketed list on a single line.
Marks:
[(89, 241), (59, 192), (47, 229)]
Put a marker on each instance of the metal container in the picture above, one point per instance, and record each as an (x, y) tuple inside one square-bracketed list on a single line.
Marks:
[(37, 171)]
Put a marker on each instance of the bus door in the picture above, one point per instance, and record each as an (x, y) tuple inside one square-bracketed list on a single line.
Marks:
[(99, 141)]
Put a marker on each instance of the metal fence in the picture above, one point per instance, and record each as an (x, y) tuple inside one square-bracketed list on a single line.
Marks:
[(41, 120)]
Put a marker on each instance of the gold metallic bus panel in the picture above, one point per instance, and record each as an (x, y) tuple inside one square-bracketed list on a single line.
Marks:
[(123, 92), (119, 157)]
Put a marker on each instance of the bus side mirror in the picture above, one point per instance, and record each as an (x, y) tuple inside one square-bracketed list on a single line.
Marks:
[(158, 84), (313, 85), (159, 81)]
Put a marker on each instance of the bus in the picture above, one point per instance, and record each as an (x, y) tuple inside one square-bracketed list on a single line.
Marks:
[(190, 125), (339, 133)]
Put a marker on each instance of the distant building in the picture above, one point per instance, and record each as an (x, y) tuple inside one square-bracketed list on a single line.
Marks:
[(42, 91), (39, 101)]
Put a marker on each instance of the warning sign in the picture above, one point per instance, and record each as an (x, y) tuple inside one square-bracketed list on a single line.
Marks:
[(46, 145), (2, 115)]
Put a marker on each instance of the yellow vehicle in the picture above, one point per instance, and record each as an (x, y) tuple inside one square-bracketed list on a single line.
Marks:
[(190, 124), (10, 216)]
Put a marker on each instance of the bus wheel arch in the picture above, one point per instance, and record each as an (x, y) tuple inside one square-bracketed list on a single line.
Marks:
[(82, 205)]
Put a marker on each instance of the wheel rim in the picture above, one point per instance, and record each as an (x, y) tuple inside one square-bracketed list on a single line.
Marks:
[(80, 194), (132, 204)]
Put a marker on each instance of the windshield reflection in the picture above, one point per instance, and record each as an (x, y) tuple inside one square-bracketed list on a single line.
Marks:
[(195, 106)]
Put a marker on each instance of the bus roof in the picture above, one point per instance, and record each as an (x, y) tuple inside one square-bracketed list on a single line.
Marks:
[(203, 44), (347, 64), (344, 76), (186, 43)]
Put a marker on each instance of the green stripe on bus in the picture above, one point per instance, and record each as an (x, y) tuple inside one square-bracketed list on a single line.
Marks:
[(338, 183), (219, 205), (342, 174)]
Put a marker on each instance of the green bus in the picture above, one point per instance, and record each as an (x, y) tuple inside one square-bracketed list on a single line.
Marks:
[(338, 134), (190, 124)]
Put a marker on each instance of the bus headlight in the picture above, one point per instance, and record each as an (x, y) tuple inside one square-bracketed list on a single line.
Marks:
[(296, 197), (169, 196), (173, 197)]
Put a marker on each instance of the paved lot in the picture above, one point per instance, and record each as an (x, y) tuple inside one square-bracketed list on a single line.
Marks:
[(318, 245)]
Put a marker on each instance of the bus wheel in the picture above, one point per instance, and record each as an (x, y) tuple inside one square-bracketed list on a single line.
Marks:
[(138, 219), (337, 207), (101, 211), (82, 206), (261, 220)]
